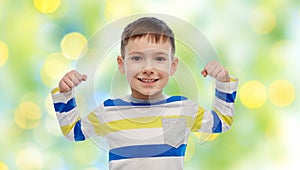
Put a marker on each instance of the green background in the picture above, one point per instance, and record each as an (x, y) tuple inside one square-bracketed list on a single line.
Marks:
[(257, 41)]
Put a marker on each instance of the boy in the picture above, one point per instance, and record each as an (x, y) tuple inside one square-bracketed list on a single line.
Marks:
[(146, 129)]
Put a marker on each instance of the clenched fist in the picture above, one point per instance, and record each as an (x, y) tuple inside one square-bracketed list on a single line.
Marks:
[(70, 80), (216, 71)]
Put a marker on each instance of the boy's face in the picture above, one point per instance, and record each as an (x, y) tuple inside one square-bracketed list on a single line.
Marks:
[(147, 66)]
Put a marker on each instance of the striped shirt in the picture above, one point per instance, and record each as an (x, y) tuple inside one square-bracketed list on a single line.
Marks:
[(146, 134)]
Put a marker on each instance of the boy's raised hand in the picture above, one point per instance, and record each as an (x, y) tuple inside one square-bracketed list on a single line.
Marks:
[(216, 71), (71, 80)]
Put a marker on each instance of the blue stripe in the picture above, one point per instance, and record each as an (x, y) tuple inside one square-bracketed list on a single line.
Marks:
[(78, 135), (228, 97), (143, 151), (217, 127), (120, 102), (65, 107)]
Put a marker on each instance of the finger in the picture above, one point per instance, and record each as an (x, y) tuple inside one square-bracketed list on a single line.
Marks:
[(216, 72), (63, 87), (74, 80), (84, 77), (204, 73), (223, 76), (69, 82), (79, 76), (211, 69)]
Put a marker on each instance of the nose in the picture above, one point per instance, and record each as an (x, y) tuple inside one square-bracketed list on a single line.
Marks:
[(148, 71), (148, 67)]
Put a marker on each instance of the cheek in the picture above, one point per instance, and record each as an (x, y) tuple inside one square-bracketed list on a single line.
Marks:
[(165, 68), (131, 70)]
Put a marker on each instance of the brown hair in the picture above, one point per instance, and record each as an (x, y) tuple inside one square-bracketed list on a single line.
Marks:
[(154, 29)]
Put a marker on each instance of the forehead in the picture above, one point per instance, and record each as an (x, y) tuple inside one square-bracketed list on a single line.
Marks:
[(144, 43)]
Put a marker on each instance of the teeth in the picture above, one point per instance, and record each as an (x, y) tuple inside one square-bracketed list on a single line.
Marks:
[(148, 80)]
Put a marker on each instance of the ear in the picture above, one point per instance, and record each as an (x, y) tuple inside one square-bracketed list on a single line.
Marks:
[(174, 66), (120, 62)]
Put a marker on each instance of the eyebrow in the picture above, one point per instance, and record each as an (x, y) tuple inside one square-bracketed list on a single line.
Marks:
[(141, 53), (135, 52)]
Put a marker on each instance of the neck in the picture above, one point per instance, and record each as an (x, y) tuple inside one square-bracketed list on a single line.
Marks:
[(141, 96)]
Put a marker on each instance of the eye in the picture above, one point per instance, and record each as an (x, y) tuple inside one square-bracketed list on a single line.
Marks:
[(160, 58), (136, 58)]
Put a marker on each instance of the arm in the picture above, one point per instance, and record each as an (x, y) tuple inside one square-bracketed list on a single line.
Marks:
[(220, 118), (73, 127)]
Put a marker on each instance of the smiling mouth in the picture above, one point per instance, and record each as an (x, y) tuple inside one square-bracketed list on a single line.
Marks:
[(146, 80)]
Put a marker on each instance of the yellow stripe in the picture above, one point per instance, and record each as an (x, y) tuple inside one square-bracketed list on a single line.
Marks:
[(227, 119), (134, 123), (233, 80), (66, 129), (56, 90), (198, 120), (95, 123)]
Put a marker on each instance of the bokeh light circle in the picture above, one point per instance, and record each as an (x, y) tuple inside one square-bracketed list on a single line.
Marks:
[(3, 166), (46, 6), (101, 43), (253, 94), (29, 158), (3, 53), (281, 93), (27, 115), (55, 66), (262, 20), (280, 51), (73, 45)]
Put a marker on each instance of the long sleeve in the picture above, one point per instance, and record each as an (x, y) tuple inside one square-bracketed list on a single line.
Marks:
[(72, 125), (220, 118)]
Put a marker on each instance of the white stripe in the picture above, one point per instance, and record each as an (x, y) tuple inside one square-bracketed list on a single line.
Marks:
[(225, 108), (225, 127), (87, 128), (67, 118), (227, 87), (207, 122), (138, 137), (62, 97), (159, 163), (184, 108), (70, 135)]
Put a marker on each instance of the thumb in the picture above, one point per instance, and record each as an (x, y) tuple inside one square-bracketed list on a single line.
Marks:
[(204, 72), (83, 77)]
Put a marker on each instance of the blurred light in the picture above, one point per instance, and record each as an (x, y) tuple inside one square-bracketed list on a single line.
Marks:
[(81, 101), (280, 52), (54, 161), (46, 6), (290, 125), (52, 126), (49, 36), (262, 20), (42, 137), (29, 158), (3, 53), (117, 9), (205, 137), (27, 115), (3, 166), (73, 45), (281, 93), (55, 66), (86, 153), (190, 150), (274, 131), (49, 106), (253, 94), (91, 168)]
